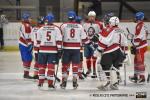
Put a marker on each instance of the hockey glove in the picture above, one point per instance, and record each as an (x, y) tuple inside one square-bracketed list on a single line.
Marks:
[(133, 50), (95, 38)]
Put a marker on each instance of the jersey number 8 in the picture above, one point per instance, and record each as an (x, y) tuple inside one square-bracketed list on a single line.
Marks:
[(72, 33)]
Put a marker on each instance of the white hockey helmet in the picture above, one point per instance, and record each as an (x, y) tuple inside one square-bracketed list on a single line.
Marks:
[(113, 21), (92, 13)]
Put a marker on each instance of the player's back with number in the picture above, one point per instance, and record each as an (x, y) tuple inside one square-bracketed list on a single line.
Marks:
[(73, 34), (49, 35)]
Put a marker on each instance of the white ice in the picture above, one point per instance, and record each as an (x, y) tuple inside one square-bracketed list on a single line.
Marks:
[(14, 87)]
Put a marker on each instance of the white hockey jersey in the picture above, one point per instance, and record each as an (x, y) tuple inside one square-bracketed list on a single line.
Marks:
[(73, 35), (25, 34), (50, 38), (92, 28), (112, 41), (34, 36), (140, 39)]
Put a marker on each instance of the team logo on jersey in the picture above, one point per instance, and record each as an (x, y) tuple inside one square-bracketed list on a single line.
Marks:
[(91, 31)]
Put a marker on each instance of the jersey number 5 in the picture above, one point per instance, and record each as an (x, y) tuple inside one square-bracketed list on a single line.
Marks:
[(72, 33), (48, 36)]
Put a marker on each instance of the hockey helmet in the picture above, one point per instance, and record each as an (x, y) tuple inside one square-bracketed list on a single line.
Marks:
[(71, 15), (49, 18), (92, 13), (26, 16), (107, 17), (139, 16), (114, 21)]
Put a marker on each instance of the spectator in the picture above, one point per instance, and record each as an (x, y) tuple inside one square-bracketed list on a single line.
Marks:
[(3, 20)]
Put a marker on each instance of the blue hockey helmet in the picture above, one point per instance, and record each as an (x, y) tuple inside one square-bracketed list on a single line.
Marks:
[(139, 16), (78, 19), (107, 17), (49, 18), (71, 15), (26, 15)]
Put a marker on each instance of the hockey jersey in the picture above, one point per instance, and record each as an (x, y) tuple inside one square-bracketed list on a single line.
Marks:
[(25, 34), (92, 28), (112, 41), (73, 35), (49, 39), (140, 39), (34, 36)]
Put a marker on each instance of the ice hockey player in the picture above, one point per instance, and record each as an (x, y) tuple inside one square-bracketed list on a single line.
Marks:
[(112, 55), (35, 45), (73, 36), (139, 49), (81, 74), (92, 27), (123, 41), (50, 38), (25, 44)]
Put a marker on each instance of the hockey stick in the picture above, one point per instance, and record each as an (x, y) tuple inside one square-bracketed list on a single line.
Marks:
[(55, 75)]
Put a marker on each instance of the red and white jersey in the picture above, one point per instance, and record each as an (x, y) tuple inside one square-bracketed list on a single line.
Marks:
[(140, 39), (34, 36), (25, 34), (112, 41), (73, 35), (50, 38), (92, 28)]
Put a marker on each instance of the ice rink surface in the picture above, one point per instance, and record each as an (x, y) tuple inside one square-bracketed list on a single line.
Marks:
[(14, 87)]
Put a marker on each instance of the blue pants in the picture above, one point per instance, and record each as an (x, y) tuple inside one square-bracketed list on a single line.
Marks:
[(71, 55), (26, 53), (88, 51), (47, 58)]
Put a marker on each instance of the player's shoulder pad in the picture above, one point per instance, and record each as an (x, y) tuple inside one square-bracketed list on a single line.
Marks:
[(118, 30)]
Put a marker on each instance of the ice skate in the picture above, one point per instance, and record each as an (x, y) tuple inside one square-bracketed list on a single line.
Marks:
[(36, 77), (148, 78), (94, 75), (141, 81), (88, 73), (40, 85), (133, 79), (51, 87), (114, 86), (27, 76), (63, 84), (75, 84)]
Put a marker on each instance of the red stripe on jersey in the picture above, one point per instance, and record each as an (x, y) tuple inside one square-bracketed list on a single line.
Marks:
[(66, 44), (22, 40), (28, 40), (36, 48), (124, 48), (142, 42), (137, 40), (102, 45), (54, 48), (138, 28), (111, 47)]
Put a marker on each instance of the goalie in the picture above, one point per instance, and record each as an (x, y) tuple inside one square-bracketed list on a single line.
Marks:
[(112, 55)]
